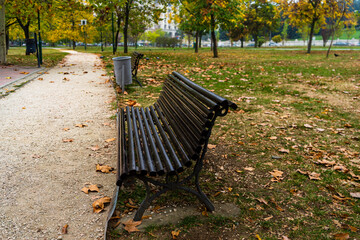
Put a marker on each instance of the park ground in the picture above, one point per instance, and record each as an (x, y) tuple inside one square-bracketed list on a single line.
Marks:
[(288, 157)]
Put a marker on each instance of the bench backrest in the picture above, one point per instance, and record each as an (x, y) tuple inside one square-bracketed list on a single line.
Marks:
[(190, 112), (135, 60)]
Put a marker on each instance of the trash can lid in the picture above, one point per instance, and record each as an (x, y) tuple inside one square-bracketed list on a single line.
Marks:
[(121, 58)]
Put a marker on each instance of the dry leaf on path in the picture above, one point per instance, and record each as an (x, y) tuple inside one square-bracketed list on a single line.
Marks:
[(95, 148), (64, 229), (68, 140), (81, 125), (110, 140), (175, 234), (130, 225), (91, 188), (99, 204), (103, 168), (66, 129)]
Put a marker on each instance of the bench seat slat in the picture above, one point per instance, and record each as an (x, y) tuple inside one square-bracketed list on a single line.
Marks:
[(144, 145), (164, 137), (169, 167), (155, 155), (139, 154), (130, 150)]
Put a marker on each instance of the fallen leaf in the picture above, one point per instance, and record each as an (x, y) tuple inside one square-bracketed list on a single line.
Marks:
[(131, 102), (341, 236), (68, 140), (262, 200), (258, 237), (355, 195), (64, 229), (24, 72), (205, 213), (285, 238), (277, 175), (145, 217), (326, 163), (51, 82), (217, 194), (8, 77), (99, 204), (110, 140), (66, 129), (81, 125), (249, 169), (103, 168), (341, 198), (95, 148), (91, 188), (175, 234), (351, 228), (211, 146), (283, 150), (314, 176), (308, 126), (268, 218), (40, 79), (273, 138), (23, 107), (130, 225)]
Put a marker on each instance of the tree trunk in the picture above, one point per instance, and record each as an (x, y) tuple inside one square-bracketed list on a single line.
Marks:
[(2, 33), (312, 28), (126, 25), (200, 37), (73, 41), (213, 36), (197, 42), (242, 42), (26, 29), (118, 22), (256, 40)]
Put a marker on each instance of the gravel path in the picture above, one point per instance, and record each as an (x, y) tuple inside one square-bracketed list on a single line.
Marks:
[(41, 176)]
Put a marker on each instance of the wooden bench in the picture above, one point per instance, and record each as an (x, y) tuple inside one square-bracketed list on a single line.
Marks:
[(135, 60), (157, 143)]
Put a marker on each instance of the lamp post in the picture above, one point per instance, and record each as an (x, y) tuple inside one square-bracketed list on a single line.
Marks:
[(40, 42), (83, 23)]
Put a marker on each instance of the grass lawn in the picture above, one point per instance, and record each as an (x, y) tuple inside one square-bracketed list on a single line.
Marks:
[(51, 57), (288, 157)]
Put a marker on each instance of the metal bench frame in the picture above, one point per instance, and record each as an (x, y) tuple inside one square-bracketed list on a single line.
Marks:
[(135, 60)]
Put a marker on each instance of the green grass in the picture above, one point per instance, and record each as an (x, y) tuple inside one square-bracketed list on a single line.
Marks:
[(279, 93), (51, 57)]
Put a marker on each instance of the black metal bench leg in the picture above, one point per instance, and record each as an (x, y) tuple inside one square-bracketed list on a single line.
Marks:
[(147, 201), (137, 81), (209, 206)]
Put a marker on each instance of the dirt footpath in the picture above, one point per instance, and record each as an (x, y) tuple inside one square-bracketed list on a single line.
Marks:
[(53, 133)]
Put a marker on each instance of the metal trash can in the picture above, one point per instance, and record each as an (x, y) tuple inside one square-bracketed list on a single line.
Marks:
[(122, 70), (30, 46)]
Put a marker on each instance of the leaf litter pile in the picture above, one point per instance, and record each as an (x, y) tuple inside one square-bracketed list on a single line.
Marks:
[(288, 157)]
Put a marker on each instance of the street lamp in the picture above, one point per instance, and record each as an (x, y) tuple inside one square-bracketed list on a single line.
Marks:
[(83, 23)]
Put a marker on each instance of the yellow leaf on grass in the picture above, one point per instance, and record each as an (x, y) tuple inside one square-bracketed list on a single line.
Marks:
[(103, 168), (211, 146), (341, 236), (110, 140), (99, 204), (175, 234), (258, 237), (130, 225)]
